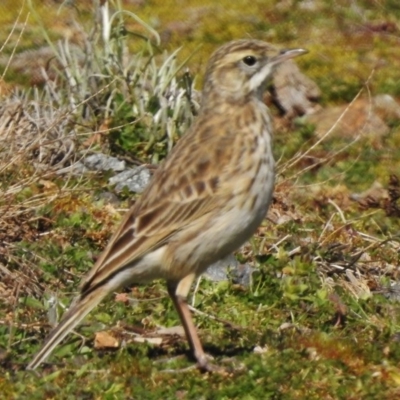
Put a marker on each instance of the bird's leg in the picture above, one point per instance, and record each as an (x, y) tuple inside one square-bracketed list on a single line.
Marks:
[(179, 292)]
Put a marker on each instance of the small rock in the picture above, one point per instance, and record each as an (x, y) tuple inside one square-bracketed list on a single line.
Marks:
[(134, 179), (260, 350), (295, 93), (103, 162), (219, 271), (387, 107), (372, 196), (393, 292), (76, 169), (359, 118), (222, 269), (109, 198), (242, 274)]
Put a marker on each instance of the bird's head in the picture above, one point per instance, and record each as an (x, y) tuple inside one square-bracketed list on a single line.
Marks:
[(240, 68)]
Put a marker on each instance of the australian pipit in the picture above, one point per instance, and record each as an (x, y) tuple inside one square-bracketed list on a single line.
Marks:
[(204, 201)]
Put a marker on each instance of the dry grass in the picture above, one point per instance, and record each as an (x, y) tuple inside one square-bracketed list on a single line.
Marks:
[(321, 259)]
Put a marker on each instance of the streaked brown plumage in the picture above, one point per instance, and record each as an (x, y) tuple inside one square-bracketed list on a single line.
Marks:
[(204, 201)]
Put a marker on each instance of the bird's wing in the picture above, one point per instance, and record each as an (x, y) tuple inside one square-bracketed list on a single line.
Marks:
[(181, 191)]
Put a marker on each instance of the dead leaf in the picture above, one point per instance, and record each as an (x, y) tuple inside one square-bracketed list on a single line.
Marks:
[(105, 340)]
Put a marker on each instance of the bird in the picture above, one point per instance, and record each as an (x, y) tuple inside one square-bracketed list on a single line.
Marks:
[(204, 201)]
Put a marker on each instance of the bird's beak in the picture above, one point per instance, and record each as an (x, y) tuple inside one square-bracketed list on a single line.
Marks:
[(287, 54)]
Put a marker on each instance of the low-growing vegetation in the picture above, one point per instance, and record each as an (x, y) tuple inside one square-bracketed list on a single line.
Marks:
[(320, 319)]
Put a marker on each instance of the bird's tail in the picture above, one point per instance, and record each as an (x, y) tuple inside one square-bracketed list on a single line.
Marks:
[(77, 311)]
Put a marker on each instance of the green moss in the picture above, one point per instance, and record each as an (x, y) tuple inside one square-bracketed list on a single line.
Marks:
[(316, 337)]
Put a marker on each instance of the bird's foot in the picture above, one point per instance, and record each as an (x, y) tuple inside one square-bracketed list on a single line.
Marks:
[(205, 364), (230, 366)]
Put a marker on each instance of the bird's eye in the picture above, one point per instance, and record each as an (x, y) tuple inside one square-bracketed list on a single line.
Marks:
[(249, 60)]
